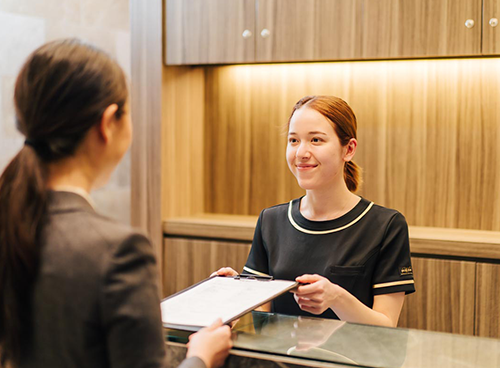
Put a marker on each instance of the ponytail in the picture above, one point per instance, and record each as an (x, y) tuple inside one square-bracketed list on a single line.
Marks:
[(23, 198), (352, 176)]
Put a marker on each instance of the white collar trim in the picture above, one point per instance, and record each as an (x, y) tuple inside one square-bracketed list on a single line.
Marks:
[(314, 232)]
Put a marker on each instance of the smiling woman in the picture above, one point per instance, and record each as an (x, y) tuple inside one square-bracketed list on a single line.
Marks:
[(351, 255)]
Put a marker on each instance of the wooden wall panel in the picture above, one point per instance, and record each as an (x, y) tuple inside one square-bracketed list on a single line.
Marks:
[(146, 102), (182, 141), (444, 300), (188, 261), (428, 132), (488, 300)]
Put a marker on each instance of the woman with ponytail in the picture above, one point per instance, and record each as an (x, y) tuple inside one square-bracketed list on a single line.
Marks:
[(76, 288), (351, 256)]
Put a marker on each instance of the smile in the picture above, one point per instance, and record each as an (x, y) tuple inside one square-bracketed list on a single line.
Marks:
[(303, 167)]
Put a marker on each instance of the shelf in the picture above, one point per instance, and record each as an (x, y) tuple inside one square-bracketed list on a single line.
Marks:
[(468, 244)]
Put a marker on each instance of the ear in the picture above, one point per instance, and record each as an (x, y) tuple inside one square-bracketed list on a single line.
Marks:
[(107, 120), (350, 149)]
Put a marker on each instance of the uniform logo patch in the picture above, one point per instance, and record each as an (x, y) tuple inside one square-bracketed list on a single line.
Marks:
[(403, 271)]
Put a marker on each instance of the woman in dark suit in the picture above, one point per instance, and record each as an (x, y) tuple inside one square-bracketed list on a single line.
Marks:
[(76, 288)]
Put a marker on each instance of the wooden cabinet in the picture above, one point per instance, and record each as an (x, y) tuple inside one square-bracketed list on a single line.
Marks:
[(308, 30), (488, 300), (209, 31), (241, 31), (421, 28), (188, 261), (491, 27), (444, 300)]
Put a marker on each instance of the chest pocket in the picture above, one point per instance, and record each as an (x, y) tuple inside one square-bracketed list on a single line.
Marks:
[(346, 276)]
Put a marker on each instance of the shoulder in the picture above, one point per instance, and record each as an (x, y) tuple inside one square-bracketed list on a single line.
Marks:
[(276, 212), (388, 216), (91, 240)]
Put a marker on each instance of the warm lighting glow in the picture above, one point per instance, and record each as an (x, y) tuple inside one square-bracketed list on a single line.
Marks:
[(338, 77)]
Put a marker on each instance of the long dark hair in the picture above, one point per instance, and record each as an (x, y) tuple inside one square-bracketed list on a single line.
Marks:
[(61, 92), (343, 120)]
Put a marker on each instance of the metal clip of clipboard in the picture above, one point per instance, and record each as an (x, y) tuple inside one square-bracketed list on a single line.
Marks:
[(248, 276)]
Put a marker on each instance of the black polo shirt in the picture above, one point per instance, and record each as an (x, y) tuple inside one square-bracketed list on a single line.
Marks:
[(366, 251)]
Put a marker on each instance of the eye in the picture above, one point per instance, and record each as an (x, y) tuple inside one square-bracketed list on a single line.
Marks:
[(316, 140), (292, 140)]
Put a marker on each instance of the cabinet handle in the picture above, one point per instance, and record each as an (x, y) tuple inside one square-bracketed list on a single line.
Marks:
[(469, 23), (265, 33), (493, 22), (246, 34)]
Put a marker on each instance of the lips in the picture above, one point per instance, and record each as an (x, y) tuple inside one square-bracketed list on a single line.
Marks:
[(305, 166)]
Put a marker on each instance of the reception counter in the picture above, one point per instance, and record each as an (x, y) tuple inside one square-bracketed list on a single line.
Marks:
[(273, 340)]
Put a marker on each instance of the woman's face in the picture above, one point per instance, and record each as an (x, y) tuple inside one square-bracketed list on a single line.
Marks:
[(314, 153)]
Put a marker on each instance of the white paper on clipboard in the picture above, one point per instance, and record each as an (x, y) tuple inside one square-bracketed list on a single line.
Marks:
[(226, 298)]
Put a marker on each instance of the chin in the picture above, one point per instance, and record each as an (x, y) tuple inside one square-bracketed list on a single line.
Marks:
[(306, 185)]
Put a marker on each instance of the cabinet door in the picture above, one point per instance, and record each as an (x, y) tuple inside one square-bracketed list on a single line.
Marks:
[(421, 28), (295, 30), (491, 27), (444, 297), (488, 300), (209, 31), (188, 261)]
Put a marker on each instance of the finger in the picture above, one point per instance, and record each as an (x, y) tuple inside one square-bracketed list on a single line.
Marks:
[(226, 271), (307, 278), (307, 289), (312, 301), (310, 309), (308, 304)]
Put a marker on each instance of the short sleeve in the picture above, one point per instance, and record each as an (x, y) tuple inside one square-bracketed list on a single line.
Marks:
[(393, 272), (257, 262)]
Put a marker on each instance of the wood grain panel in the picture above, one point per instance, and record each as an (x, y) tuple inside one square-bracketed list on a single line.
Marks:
[(146, 100), (308, 30), (189, 261), (491, 35), (212, 226), (429, 141), (209, 31), (182, 141), (488, 300), (395, 28), (444, 300)]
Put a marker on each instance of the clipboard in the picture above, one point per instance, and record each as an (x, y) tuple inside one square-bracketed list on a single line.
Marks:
[(224, 297)]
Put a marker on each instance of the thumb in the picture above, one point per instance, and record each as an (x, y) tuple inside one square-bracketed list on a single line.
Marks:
[(216, 324)]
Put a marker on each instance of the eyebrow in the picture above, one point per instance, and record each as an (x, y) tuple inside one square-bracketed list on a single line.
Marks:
[(310, 133)]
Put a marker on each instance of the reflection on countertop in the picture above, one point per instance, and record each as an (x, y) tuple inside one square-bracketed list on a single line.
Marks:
[(332, 341)]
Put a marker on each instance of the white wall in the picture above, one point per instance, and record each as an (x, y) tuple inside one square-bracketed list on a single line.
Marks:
[(27, 24)]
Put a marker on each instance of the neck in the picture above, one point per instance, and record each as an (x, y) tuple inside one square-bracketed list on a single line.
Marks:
[(71, 172), (328, 204)]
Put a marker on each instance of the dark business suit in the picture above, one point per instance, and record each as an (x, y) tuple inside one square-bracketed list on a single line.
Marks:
[(95, 299)]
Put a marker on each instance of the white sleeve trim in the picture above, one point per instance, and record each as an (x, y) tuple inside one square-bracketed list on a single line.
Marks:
[(394, 283)]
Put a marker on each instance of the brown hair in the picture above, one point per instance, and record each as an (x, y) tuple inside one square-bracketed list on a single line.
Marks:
[(343, 120), (61, 92)]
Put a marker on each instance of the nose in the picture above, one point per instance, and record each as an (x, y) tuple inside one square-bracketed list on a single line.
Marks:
[(302, 152)]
